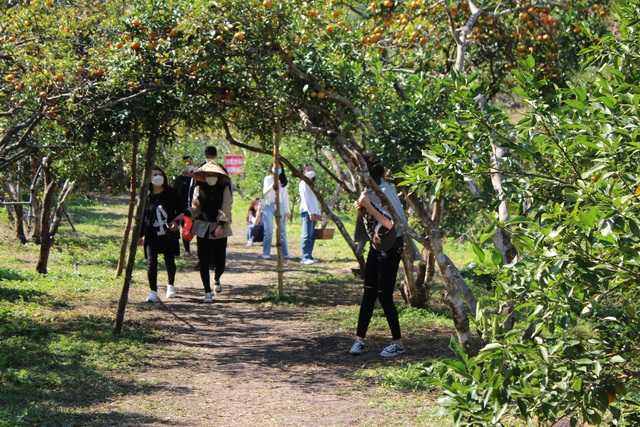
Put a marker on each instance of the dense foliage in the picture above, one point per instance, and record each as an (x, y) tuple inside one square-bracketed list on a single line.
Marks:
[(82, 81)]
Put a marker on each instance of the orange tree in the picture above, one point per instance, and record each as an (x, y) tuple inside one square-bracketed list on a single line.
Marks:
[(571, 184)]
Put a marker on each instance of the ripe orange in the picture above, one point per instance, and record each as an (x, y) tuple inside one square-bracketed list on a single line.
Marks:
[(266, 3), (329, 28), (135, 22), (321, 95), (59, 77), (388, 3), (135, 45), (239, 36), (11, 77)]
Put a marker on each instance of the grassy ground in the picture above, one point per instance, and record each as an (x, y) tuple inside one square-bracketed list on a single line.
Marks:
[(56, 329)]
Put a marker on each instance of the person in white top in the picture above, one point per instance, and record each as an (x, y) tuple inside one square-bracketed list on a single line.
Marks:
[(310, 214), (269, 210)]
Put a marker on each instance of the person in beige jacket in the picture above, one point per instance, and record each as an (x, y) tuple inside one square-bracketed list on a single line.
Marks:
[(211, 213)]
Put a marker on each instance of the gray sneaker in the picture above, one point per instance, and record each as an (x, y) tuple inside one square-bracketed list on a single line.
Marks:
[(217, 287), (153, 297), (393, 350), (208, 297), (357, 348)]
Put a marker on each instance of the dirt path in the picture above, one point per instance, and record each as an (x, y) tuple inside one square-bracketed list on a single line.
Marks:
[(239, 361)]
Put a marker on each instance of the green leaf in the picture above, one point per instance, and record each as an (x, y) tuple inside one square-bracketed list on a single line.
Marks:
[(496, 257), (479, 252), (575, 104)]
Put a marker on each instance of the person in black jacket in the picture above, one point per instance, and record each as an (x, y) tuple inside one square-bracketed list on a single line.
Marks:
[(160, 232), (182, 184)]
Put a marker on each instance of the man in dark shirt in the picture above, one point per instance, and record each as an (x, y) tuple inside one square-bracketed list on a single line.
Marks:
[(182, 184)]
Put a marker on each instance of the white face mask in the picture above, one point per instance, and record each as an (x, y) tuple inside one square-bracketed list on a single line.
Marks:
[(157, 180), (211, 180), (310, 174), (190, 168)]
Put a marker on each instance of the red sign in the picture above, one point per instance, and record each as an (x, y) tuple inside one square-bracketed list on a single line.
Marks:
[(233, 164)]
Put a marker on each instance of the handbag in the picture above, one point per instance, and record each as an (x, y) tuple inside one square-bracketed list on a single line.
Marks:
[(383, 238), (186, 229)]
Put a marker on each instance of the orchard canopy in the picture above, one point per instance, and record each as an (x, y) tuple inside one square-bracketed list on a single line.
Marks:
[(548, 194)]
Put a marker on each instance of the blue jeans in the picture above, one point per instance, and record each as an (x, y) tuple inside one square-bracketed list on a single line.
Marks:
[(308, 235), (267, 219)]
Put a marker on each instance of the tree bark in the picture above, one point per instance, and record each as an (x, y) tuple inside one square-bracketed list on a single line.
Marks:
[(46, 239)]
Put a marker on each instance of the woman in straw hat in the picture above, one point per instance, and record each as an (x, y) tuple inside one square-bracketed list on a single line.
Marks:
[(211, 213)]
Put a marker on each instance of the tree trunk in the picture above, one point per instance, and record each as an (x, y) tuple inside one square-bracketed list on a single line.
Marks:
[(46, 239), (132, 204), (140, 207), (35, 209), (278, 213), (17, 217), (67, 188)]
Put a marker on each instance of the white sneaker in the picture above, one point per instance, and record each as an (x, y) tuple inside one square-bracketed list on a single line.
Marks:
[(266, 256), (250, 242), (171, 291), (208, 297), (393, 350), (315, 260), (153, 297), (289, 257), (357, 348), (307, 262)]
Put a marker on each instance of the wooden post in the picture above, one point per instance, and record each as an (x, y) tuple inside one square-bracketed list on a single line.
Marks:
[(278, 213), (132, 205), (139, 217)]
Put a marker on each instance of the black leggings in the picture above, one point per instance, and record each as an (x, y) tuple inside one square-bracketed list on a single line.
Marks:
[(211, 251), (379, 281), (152, 266)]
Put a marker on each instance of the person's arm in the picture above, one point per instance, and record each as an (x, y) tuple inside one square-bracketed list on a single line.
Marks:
[(267, 185), (258, 217), (364, 203), (224, 214)]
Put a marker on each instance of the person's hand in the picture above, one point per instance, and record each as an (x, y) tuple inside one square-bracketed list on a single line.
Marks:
[(140, 241), (312, 217), (219, 231), (173, 227), (364, 201)]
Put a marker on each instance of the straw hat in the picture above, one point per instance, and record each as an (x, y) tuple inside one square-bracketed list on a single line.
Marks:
[(210, 168)]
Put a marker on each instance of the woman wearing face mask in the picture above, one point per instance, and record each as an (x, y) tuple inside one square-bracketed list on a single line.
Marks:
[(160, 232), (211, 213), (310, 214), (269, 211)]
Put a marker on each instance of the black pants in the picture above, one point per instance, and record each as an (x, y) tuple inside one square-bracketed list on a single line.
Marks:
[(152, 265), (211, 252), (379, 281)]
